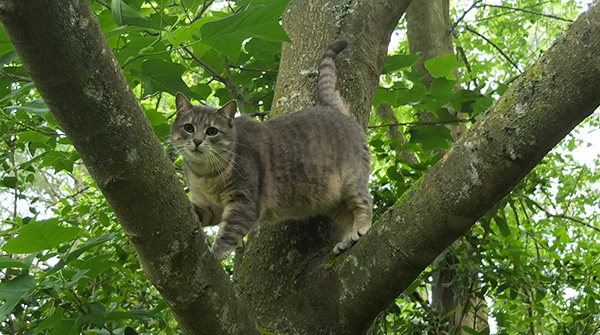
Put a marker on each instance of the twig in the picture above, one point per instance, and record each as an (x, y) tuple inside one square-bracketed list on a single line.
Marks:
[(15, 77), (237, 92), (573, 190), (562, 216), (464, 14), (39, 130), (213, 73), (253, 69), (159, 13), (421, 123), (104, 4), (526, 11), (463, 55), (204, 8), (185, 10), (495, 47)]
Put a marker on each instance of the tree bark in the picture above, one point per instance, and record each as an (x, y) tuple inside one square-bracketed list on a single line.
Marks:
[(544, 105), (68, 58), (283, 277), (428, 26), (288, 274)]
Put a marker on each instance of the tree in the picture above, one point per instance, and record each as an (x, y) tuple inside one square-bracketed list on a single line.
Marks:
[(286, 281)]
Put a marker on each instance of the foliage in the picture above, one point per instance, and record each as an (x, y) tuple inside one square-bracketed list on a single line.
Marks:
[(66, 264), (533, 259)]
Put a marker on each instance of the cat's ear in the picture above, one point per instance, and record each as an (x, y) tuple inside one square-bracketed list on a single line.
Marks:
[(228, 111), (182, 103)]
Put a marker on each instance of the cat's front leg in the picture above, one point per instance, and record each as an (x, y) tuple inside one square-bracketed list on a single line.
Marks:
[(238, 219), (207, 215)]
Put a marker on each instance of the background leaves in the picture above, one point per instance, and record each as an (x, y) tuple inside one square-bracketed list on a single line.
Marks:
[(67, 267)]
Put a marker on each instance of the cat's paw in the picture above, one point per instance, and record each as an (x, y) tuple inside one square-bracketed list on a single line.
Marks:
[(221, 251), (350, 240), (343, 246)]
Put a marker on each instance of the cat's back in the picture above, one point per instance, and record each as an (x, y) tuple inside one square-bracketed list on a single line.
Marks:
[(316, 123)]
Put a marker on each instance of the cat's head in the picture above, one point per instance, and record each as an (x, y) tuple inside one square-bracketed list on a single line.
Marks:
[(203, 135)]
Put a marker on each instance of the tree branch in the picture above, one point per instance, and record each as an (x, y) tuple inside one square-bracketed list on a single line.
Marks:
[(481, 168), (526, 11), (89, 97), (421, 123), (495, 47), (562, 216)]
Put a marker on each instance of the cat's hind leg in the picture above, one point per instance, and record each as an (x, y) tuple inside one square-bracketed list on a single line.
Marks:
[(361, 213)]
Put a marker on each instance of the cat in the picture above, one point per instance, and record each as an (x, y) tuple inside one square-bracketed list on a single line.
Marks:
[(314, 161)]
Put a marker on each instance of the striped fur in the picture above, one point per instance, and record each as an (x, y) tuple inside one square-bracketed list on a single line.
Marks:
[(326, 92), (311, 162)]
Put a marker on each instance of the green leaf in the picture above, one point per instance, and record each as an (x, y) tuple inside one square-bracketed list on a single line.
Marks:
[(385, 95), (32, 136), (6, 262), (59, 160), (8, 58), (65, 327), (40, 235), (502, 225), (226, 35), (52, 320), (430, 137), (189, 33), (13, 291), (88, 245), (36, 106), (443, 88), (9, 182), (162, 76), (5, 45), (442, 66), (125, 15), (396, 62)]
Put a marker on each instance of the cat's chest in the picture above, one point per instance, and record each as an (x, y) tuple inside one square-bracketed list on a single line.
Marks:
[(206, 188)]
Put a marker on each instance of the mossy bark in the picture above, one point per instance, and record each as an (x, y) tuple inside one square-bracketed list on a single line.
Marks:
[(68, 58), (287, 267), (288, 279)]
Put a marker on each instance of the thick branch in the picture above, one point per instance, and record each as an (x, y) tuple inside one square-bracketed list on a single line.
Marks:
[(542, 107), (69, 60)]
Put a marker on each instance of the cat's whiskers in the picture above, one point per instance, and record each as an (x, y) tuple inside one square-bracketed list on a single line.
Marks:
[(235, 165)]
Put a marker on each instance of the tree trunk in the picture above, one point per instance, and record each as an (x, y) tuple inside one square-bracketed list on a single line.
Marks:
[(429, 35), (68, 59)]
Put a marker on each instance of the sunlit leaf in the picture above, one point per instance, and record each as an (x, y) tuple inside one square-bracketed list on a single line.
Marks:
[(40, 235)]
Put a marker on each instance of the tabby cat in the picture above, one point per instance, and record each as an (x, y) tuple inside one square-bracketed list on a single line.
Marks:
[(311, 162)]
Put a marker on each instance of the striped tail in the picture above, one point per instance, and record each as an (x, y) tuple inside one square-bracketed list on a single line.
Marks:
[(326, 92)]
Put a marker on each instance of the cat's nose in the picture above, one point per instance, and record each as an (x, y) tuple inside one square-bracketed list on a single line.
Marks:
[(197, 142)]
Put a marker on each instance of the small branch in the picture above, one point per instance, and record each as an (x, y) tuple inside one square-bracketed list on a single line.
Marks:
[(159, 13), (561, 216), (49, 133), (463, 55), (463, 15), (253, 69), (15, 77), (237, 92), (392, 88), (212, 72), (185, 10), (205, 6), (433, 123), (495, 47), (527, 11), (573, 189), (104, 4)]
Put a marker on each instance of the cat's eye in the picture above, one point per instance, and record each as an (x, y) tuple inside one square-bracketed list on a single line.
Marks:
[(188, 127), (212, 131)]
